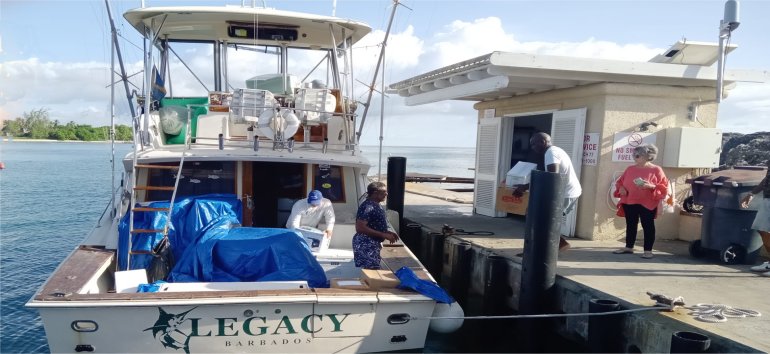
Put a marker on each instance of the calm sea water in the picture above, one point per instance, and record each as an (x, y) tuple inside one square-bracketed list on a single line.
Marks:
[(51, 195)]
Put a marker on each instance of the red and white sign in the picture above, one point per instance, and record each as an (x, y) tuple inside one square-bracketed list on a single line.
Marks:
[(625, 142), (591, 149)]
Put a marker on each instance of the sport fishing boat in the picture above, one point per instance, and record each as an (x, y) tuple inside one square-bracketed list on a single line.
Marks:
[(192, 254)]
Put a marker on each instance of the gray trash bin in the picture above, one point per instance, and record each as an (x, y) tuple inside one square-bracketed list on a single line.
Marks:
[(725, 226)]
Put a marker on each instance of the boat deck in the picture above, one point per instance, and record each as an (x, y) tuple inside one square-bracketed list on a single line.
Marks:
[(76, 280), (590, 269)]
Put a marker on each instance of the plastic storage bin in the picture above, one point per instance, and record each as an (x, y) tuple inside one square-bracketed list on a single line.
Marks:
[(196, 111), (725, 226)]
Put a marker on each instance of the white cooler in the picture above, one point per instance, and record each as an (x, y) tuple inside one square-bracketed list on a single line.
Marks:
[(315, 238)]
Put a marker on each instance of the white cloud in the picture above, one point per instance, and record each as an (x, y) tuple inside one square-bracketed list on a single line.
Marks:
[(746, 109), (76, 91)]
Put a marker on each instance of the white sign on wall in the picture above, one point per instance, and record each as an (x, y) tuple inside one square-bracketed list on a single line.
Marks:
[(591, 149), (625, 142), (489, 113)]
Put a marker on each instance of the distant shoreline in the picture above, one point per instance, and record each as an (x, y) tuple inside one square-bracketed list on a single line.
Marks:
[(25, 140)]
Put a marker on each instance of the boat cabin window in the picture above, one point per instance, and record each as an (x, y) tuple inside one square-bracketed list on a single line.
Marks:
[(198, 178), (247, 66), (329, 180)]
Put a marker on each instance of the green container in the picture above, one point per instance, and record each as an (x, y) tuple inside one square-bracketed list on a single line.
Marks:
[(196, 111)]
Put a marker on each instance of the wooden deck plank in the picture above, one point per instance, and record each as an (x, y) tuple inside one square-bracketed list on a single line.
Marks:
[(396, 257), (77, 270)]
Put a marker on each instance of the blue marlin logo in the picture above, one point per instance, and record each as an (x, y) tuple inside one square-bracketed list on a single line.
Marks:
[(167, 330)]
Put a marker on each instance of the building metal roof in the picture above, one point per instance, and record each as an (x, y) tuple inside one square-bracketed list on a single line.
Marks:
[(500, 75)]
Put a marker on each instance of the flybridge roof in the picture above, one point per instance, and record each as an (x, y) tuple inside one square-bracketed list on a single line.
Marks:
[(208, 23), (501, 75)]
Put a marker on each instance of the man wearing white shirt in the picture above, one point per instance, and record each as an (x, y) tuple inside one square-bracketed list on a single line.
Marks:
[(308, 212), (558, 161)]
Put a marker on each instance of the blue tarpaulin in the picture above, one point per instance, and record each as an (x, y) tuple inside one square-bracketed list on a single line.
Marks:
[(189, 217), (209, 245), (248, 254), (409, 280)]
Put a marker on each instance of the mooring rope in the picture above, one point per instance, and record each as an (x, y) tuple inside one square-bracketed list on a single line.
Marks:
[(547, 315), (473, 233), (713, 313)]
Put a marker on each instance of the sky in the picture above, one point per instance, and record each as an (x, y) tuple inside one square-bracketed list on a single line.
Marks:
[(55, 55)]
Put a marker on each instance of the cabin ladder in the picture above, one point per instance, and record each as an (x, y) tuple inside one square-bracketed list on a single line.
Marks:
[(134, 209)]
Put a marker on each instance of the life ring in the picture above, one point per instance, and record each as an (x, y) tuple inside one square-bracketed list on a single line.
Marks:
[(272, 121)]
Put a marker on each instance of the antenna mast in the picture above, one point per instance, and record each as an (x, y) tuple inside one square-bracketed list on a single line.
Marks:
[(726, 26)]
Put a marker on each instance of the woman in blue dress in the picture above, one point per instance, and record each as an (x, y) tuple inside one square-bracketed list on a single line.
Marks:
[(371, 228)]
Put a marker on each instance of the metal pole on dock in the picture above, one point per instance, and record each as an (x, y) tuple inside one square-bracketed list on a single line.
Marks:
[(541, 248), (396, 186)]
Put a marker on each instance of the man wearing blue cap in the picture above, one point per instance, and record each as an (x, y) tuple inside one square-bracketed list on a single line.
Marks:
[(308, 212)]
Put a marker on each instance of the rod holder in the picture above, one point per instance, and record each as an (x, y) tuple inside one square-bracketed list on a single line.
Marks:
[(221, 142)]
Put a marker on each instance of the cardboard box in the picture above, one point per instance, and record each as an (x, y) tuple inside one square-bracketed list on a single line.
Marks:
[(508, 203), (220, 101), (348, 283), (378, 279)]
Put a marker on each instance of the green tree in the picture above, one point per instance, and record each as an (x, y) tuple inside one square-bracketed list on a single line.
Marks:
[(86, 133), (62, 133), (38, 123), (123, 133), (14, 127)]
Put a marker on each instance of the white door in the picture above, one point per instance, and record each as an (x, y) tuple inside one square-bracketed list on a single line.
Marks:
[(487, 162), (567, 130)]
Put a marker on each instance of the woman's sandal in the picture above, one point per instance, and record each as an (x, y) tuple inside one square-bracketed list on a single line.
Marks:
[(623, 251), (647, 255)]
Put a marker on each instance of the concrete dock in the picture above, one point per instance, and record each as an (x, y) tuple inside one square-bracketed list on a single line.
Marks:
[(589, 270)]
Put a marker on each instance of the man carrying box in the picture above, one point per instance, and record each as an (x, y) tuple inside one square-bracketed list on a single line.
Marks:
[(557, 161), (310, 211)]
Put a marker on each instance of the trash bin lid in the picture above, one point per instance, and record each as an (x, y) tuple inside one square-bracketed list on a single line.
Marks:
[(740, 176)]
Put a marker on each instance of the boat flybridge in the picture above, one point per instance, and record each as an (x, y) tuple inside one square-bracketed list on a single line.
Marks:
[(193, 255)]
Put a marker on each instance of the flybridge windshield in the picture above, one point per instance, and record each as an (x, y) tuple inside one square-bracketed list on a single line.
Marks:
[(191, 67)]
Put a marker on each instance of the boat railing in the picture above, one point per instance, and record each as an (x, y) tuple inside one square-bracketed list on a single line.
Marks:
[(285, 131)]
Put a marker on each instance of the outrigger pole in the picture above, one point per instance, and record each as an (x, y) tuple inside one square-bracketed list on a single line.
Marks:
[(123, 76), (115, 50), (396, 3)]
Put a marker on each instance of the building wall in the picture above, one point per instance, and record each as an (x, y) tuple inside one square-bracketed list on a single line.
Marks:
[(613, 108)]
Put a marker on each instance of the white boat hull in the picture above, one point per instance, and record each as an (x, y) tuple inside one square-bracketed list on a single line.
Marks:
[(323, 324)]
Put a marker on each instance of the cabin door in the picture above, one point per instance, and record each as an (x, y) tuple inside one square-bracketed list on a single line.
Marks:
[(567, 130), (275, 187), (487, 162)]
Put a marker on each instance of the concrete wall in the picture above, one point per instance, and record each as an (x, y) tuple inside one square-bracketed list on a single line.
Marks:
[(613, 108)]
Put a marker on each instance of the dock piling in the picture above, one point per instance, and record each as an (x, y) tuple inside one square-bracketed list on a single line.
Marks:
[(396, 186), (411, 237), (604, 331), (541, 248), (689, 342)]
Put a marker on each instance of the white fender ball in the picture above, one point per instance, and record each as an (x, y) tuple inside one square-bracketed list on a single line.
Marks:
[(447, 310)]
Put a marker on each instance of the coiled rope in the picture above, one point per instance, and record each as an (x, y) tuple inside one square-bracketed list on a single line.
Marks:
[(717, 313), (713, 313)]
